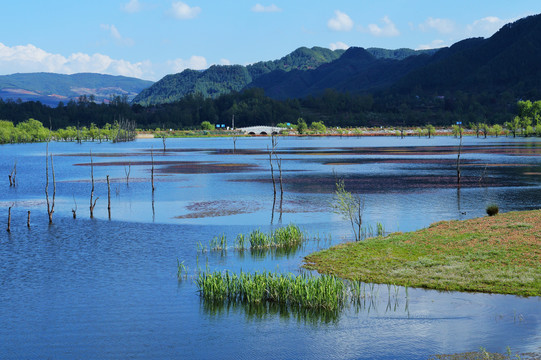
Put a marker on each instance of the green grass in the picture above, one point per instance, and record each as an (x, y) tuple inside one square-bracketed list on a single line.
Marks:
[(290, 236), (182, 270), (303, 291), (497, 254)]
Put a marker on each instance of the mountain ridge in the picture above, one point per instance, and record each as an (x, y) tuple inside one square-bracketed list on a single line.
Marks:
[(50, 88)]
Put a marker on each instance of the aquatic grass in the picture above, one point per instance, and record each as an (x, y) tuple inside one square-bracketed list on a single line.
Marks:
[(370, 231), (498, 254), (282, 237), (182, 270), (302, 291), (258, 239), (240, 242), (219, 243), (380, 229)]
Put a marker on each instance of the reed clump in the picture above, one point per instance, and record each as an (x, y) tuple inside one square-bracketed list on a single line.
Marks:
[(303, 291), (182, 270), (289, 236)]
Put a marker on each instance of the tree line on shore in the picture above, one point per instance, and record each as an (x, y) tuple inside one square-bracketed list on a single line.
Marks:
[(32, 130), (86, 119)]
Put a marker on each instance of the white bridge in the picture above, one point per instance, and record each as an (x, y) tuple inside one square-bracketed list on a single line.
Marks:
[(260, 130)]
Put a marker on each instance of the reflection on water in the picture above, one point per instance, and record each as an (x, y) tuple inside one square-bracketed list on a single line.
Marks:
[(108, 289), (268, 311)]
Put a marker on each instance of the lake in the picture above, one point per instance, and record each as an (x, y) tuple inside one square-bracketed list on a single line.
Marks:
[(107, 288)]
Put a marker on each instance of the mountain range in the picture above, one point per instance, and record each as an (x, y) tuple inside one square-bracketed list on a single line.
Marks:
[(502, 69), (218, 80), (51, 88)]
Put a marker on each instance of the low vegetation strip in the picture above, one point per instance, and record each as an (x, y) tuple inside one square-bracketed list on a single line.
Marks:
[(498, 254)]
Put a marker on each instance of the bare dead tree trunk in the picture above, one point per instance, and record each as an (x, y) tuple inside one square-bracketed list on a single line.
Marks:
[(74, 210), (50, 206), (272, 171), (153, 210), (12, 175), (279, 163), (127, 172), (273, 206), (458, 160), (92, 201), (108, 197), (234, 144), (152, 169), (28, 220), (164, 136), (9, 218)]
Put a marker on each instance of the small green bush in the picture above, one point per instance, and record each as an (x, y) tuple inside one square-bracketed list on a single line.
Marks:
[(492, 209)]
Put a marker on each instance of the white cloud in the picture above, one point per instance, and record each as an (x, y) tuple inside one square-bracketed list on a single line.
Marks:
[(270, 8), (340, 22), (29, 58), (180, 10), (389, 28), (338, 46), (443, 26), (195, 63), (115, 34), (225, 62), (132, 6), (433, 45), (485, 27)]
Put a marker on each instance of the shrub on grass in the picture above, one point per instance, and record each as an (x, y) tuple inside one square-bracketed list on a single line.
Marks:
[(492, 209)]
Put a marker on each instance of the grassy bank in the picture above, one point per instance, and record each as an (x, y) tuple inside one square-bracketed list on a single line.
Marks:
[(498, 254)]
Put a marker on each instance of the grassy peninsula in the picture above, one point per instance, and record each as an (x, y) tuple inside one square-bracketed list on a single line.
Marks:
[(498, 254)]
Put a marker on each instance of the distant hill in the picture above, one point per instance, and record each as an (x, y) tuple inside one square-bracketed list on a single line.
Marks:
[(509, 61), (218, 80), (50, 88)]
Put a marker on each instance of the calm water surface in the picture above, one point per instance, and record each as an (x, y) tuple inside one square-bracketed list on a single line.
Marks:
[(107, 288)]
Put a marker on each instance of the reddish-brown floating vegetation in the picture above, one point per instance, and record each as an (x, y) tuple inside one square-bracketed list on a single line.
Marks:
[(204, 209)]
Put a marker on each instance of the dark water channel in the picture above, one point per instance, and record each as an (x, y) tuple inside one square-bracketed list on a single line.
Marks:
[(107, 288)]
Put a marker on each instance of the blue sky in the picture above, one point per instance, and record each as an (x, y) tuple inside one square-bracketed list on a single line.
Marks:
[(151, 38)]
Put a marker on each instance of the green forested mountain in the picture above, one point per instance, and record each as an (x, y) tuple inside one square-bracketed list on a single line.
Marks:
[(50, 88), (508, 62), (218, 80)]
